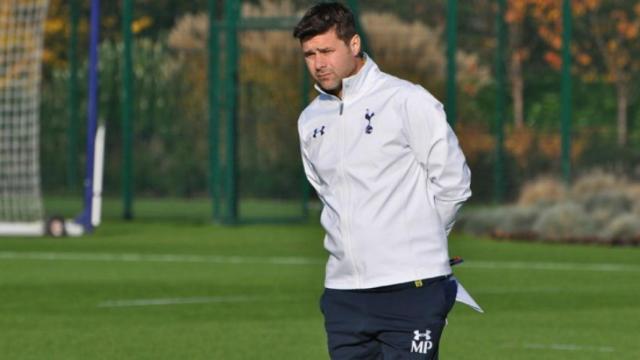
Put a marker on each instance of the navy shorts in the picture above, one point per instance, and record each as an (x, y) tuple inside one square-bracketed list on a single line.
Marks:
[(403, 321)]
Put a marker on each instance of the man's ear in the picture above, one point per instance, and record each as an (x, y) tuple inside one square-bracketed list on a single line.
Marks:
[(355, 45)]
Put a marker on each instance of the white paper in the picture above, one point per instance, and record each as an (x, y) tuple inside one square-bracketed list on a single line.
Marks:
[(464, 297)]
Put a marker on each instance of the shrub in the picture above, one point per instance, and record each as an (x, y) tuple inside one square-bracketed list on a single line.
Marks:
[(624, 230), (544, 190), (480, 222), (564, 221), (599, 208), (634, 194), (607, 205), (594, 183), (517, 222)]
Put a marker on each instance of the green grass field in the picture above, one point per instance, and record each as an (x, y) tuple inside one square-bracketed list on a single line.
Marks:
[(164, 287)]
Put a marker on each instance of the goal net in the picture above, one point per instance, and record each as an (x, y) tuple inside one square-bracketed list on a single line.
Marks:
[(21, 39)]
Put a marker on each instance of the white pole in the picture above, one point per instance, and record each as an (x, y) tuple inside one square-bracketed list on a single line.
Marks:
[(98, 170)]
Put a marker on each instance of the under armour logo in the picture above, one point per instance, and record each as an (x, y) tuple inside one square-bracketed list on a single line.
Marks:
[(417, 335), (368, 116), (318, 131), (423, 346)]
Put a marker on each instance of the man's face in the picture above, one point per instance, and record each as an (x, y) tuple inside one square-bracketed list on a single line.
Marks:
[(330, 60)]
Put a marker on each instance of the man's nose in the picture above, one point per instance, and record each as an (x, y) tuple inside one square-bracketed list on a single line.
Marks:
[(320, 63)]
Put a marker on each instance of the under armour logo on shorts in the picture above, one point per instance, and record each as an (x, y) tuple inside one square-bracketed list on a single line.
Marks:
[(421, 346)]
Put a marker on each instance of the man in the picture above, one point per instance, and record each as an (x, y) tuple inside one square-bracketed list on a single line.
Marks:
[(391, 176)]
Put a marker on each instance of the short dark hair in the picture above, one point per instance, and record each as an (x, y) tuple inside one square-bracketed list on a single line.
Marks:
[(324, 16)]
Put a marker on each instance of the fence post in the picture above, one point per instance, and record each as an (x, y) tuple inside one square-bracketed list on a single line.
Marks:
[(214, 111), (566, 90), (355, 8), (127, 100), (230, 85)]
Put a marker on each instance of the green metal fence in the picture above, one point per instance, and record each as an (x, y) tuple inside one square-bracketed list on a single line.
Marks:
[(209, 116)]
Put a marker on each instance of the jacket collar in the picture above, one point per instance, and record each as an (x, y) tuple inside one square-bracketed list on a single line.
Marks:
[(354, 84)]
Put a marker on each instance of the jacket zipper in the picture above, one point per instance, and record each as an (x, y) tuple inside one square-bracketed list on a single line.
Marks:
[(348, 198)]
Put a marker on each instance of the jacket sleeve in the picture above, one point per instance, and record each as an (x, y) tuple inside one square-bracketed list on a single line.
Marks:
[(309, 171), (436, 147)]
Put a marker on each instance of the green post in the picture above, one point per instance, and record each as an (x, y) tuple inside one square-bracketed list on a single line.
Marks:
[(232, 11), (353, 4), (501, 95), (127, 100), (72, 132), (304, 100), (452, 44), (566, 90), (214, 111)]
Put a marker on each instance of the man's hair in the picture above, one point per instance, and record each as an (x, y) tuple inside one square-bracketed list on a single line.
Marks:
[(324, 16)]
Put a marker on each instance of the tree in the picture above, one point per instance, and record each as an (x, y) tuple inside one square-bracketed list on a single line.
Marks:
[(606, 45), (615, 26), (520, 49), (152, 18)]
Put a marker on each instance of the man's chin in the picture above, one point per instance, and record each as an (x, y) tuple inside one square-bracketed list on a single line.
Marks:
[(330, 88)]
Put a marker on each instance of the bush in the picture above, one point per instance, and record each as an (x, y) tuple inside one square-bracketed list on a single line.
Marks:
[(517, 222), (544, 190), (607, 205), (595, 182), (480, 222), (564, 221), (624, 230), (600, 208)]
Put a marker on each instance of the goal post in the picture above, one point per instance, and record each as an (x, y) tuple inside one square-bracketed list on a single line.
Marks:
[(21, 41), (21, 206)]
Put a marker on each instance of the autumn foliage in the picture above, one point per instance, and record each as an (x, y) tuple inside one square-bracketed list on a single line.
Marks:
[(407, 39)]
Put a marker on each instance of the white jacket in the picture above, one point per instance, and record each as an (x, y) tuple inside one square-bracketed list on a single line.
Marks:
[(391, 176)]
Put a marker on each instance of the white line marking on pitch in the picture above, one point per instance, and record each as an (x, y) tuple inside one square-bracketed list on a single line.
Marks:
[(176, 301), (570, 347), (510, 290), (292, 260), (158, 258), (525, 265)]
